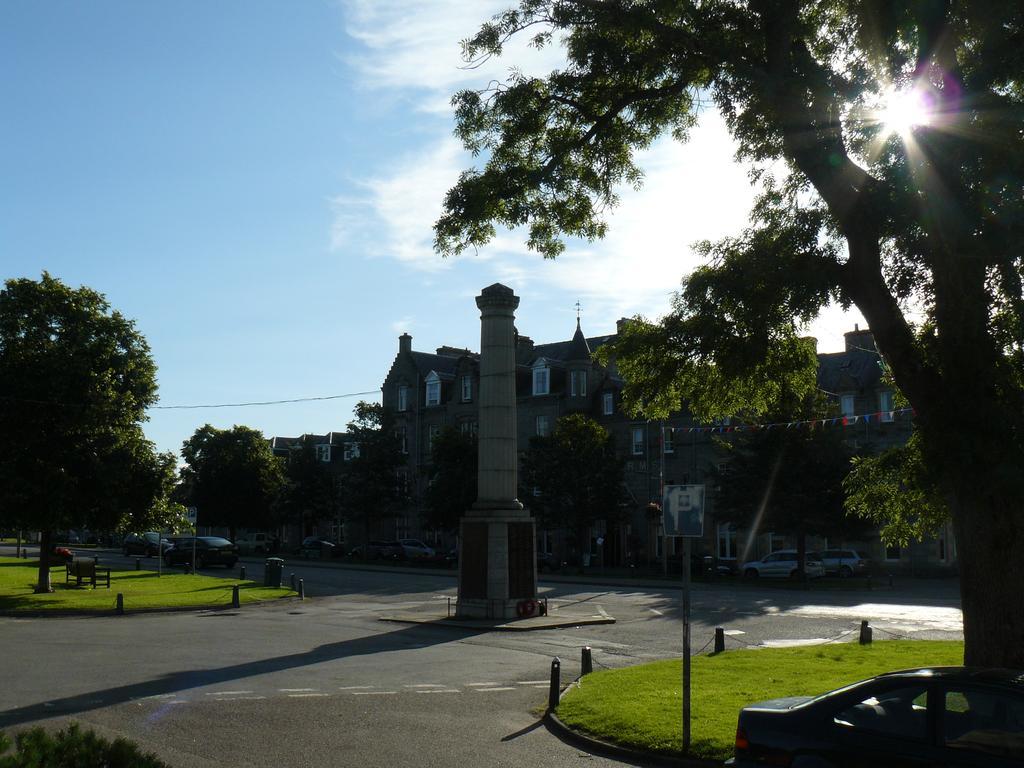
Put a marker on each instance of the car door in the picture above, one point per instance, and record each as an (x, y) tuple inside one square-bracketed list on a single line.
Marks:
[(982, 726), (893, 726), (770, 565)]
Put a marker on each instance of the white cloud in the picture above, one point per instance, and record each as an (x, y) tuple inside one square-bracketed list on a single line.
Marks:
[(403, 324)]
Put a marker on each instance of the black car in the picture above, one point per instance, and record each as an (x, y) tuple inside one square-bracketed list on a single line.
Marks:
[(958, 717), (314, 548), (210, 550), (144, 544)]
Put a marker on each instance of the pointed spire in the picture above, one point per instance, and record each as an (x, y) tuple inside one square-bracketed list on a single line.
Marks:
[(578, 347)]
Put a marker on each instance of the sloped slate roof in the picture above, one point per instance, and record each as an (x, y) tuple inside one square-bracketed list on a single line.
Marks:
[(853, 369), (564, 350), (426, 362)]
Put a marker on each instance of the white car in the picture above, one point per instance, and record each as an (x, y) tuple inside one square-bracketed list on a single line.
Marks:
[(415, 549), (782, 565)]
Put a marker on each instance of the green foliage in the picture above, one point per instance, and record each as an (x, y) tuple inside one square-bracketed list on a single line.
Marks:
[(233, 476), (75, 381), (370, 485), (452, 486), (310, 490), (73, 748), (577, 472), (894, 490)]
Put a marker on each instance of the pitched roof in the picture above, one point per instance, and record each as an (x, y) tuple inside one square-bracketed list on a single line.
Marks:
[(853, 369), (564, 350), (426, 362)]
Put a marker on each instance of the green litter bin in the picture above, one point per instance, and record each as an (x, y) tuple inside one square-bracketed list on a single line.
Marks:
[(273, 568)]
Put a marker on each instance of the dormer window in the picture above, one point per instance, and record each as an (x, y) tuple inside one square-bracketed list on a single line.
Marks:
[(433, 389), (351, 451), (323, 453), (578, 383), (541, 377)]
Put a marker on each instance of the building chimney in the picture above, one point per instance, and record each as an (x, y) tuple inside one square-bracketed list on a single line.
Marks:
[(620, 324), (404, 343), (858, 339)]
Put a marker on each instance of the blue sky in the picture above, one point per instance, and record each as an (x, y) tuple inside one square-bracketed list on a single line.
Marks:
[(254, 181)]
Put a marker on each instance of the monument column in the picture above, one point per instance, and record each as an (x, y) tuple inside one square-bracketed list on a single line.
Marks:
[(497, 551)]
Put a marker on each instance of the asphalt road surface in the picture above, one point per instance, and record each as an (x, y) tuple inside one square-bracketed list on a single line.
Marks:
[(326, 682)]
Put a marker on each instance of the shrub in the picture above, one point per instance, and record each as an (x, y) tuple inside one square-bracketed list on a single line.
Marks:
[(72, 748)]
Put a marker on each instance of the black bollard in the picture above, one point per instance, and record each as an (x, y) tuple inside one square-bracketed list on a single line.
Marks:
[(587, 662), (719, 640), (302, 590), (865, 633), (556, 684), (241, 573), (120, 604), (293, 583), (138, 563), (890, 581), (234, 596)]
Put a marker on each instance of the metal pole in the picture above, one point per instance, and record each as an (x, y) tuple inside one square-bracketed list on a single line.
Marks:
[(686, 645)]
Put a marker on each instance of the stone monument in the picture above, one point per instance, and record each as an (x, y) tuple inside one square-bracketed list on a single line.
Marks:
[(497, 544)]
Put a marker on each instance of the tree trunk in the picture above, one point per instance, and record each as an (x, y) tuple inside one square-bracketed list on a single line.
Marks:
[(45, 544), (990, 553)]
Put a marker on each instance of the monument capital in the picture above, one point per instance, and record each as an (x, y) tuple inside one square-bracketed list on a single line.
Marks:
[(497, 296)]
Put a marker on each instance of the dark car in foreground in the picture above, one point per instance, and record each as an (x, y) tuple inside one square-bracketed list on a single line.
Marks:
[(960, 717), (210, 550)]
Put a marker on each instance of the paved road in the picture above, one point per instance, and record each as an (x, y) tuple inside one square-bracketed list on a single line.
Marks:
[(325, 681)]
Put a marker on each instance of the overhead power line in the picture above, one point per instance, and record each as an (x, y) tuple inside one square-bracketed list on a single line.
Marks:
[(206, 405)]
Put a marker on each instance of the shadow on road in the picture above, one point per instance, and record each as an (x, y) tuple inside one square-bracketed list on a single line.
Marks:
[(401, 639)]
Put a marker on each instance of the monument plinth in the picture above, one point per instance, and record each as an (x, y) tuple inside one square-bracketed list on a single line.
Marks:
[(497, 544)]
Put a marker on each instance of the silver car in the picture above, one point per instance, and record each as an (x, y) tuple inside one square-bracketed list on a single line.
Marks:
[(414, 549), (782, 565)]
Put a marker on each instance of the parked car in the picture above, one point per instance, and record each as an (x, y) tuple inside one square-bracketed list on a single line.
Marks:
[(782, 565), (943, 716), (145, 544), (842, 562), (414, 549), (254, 543), (313, 547), (380, 550), (210, 550)]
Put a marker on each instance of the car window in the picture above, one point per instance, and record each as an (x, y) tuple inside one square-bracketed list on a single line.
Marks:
[(989, 722), (772, 558), (900, 712), (215, 542)]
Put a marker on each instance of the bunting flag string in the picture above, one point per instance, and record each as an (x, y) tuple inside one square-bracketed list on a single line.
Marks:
[(878, 417)]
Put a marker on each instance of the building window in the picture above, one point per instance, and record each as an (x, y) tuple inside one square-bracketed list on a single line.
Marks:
[(468, 427), (467, 388), (885, 405), (351, 451), (541, 380), (668, 436), (726, 541), (578, 383), (433, 382), (893, 551), (608, 403), (776, 541), (403, 397), (435, 430), (403, 440), (638, 441), (543, 426), (846, 404), (323, 453)]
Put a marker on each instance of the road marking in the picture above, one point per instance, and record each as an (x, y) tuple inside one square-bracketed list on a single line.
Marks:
[(162, 696), (306, 695), (227, 693), (485, 690), (734, 632), (476, 685), (295, 690), (373, 693), (356, 687), (423, 685), (243, 698), (656, 611), (441, 690), (533, 682), (603, 612)]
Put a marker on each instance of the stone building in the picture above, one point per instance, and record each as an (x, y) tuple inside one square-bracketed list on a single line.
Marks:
[(430, 391)]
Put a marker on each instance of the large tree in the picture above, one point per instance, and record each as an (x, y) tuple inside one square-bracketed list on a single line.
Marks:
[(76, 378), (232, 475), (451, 479), (574, 477), (370, 485), (886, 137), (310, 490)]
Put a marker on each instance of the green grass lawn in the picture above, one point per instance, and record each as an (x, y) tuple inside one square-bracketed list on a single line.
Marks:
[(141, 590), (641, 707)]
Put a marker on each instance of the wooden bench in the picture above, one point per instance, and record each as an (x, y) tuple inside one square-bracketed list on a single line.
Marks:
[(86, 569)]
